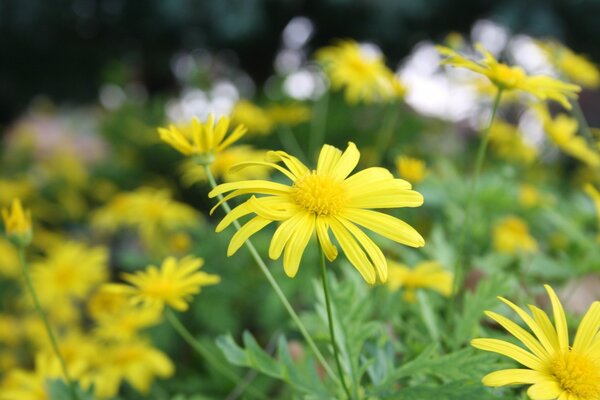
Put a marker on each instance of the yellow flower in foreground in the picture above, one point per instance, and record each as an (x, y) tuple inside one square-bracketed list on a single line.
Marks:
[(411, 169), (17, 222), (172, 284), (251, 116), (574, 66), (202, 139), (554, 368), (511, 235), (322, 199), (513, 78), (221, 166), (425, 275), (362, 73), (562, 130)]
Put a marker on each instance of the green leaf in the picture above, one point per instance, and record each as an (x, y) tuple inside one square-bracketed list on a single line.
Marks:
[(60, 390), (459, 390)]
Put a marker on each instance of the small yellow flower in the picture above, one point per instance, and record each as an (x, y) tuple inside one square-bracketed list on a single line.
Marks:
[(202, 140), (318, 200), (511, 236), (508, 143), (425, 275), (361, 73), (554, 368), (530, 196), (513, 78), (17, 223), (562, 130), (222, 165), (172, 284), (411, 169), (575, 67), (251, 116)]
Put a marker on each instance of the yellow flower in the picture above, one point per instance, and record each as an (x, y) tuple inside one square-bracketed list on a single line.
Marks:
[(17, 223), (513, 78), (361, 73), (411, 169), (554, 368), (69, 271), (251, 116), (322, 199), (10, 265), (562, 130), (21, 384), (221, 166), (511, 236), (574, 66), (291, 114), (508, 143), (173, 283), (135, 362), (425, 275), (202, 140), (530, 197)]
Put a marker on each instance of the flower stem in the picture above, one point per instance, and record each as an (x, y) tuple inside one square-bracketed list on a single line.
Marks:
[(319, 124), (49, 331), (461, 267), (206, 354), (274, 284), (385, 134), (289, 141), (331, 328)]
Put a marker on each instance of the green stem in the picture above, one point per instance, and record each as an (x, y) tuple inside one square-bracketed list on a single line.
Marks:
[(224, 370), (289, 142), (331, 328), (274, 284), (319, 124), (461, 267), (49, 331), (385, 134)]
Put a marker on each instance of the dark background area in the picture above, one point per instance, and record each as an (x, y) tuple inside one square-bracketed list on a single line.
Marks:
[(66, 49)]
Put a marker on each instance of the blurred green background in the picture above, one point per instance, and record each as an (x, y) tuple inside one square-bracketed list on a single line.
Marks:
[(65, 50)]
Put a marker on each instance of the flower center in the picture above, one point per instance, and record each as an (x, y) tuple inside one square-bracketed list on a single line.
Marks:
[(577, 375), (160, 289), (319, 194), (508, 77)]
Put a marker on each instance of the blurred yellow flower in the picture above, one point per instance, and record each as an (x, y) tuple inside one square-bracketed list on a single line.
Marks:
[(152, 212), (172, 284), (322, 199), (69, 271), (411, 169), (530, 196), (554, 368), (511, 235), (562, 130), (20, 384), (251, 116), (575, 67), (360, 71), (180, 243), (290, 114), (425, 275), (17, 223), (222, 165), (508, 143), (10, 266), (513, 78), (202, 140)]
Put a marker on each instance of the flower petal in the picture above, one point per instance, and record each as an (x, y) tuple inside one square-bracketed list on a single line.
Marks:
[(386, 226), (525, 337), (588, 328), (247, 230), (510, 350), (347, 162), (513, 377), (560, 321), (282, 235), (328, 159), (292, 163), (546, 390), (353, 251), (322, 228), (297, 244)]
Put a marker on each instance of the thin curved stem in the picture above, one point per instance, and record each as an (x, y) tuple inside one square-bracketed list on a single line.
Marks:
[(49, 331), (207, 355), (319, 124), (461, 267), (274, 284), (331, 328), (390, 119)]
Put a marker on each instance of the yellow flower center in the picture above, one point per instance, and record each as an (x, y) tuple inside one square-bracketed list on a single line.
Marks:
[(319, 194), (577, 375), (507, 77), (160, 289)]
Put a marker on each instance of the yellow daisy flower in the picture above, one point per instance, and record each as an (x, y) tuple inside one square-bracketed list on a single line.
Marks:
[(17, 222), (425, 275), (575, 67), (203, 140), (411, 169), (172, 284), (513, 78), (362, 74), (318, 200), (554, 368), (511, 236)]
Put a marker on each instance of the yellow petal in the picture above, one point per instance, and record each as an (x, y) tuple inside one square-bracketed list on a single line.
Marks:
[(353, 251), (297, 244), (238, 212), (282, 235), (328, 158), (240, 166), (588, 328), (560, 321), (322, 228), (546, 390), (386, 226), (510, 350), (257, 186), (292, 163), (525, 337), (386, 196), (373, 251), (513, 377), (247, 230), (542, 320), (347, 162)]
